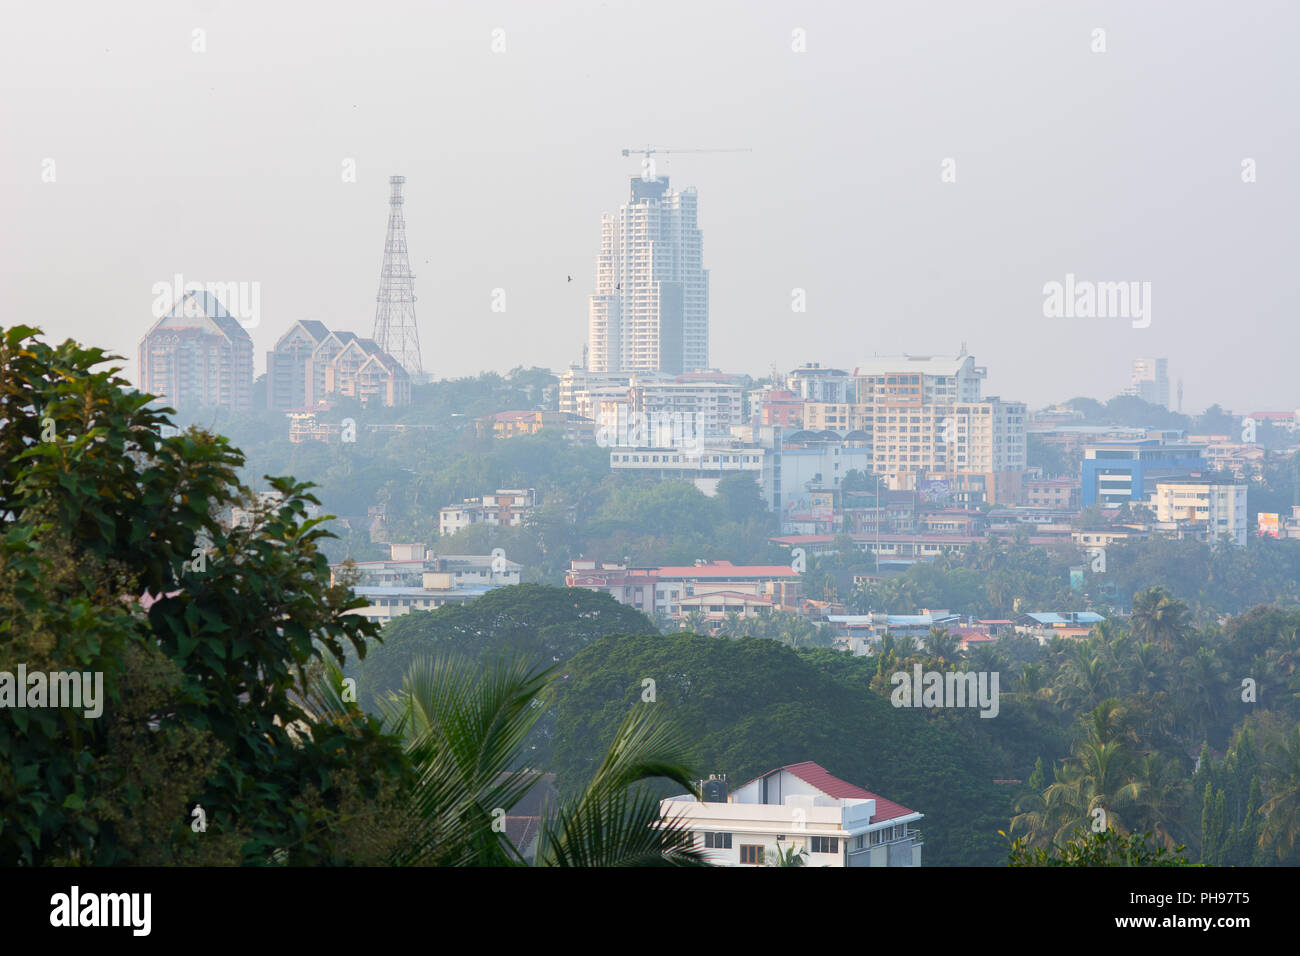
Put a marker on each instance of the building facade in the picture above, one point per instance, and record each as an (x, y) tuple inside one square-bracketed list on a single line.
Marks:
[(799, 809), (198, 355), (650, 307), (506, 509)]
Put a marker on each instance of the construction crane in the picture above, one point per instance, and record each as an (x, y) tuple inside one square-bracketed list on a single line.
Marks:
[(651, 150), (648, 172)]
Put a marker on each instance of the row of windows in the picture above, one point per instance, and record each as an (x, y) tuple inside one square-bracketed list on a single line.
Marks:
[(722, 841)]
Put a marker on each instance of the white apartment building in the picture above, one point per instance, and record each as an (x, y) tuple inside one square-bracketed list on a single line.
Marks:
[(417, 580), (800, 807), (813, 383), (650, 308), (505, 509), (1217, 509)]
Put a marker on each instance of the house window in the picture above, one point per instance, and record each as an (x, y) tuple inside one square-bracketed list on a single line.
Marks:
[(751, 853), (825, 844), (717, 841)]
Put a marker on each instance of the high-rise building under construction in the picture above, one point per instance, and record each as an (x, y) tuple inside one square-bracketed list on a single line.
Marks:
[(650, 309)]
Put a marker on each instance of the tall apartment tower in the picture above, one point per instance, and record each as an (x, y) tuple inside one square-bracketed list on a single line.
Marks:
[(1149, 381), (198, 355), (650, 308)]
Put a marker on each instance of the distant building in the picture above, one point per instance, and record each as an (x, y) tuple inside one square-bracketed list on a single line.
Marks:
[(650, 309), (714, 588), (776, 406), (1214, 508), (813, 383), (1149, 381), (1119, 471), (287, 364), (343, 363), (929, 424), (417, 580), (1043, 626), (1058, 493), (198, 355), (574, 428), (800, 808), (506, 509)]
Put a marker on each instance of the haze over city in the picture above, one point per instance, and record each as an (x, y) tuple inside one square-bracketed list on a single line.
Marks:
[(1124, 166)]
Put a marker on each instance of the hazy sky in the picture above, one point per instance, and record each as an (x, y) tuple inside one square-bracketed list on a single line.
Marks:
[(1125, 165)]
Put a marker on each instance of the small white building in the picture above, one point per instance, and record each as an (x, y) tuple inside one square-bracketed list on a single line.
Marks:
[(799, 806), (505, 509)]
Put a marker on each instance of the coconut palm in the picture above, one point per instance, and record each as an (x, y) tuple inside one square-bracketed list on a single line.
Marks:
[(1281, 811), (786, 856), (463, 726), (939, 643), (1159, 618)]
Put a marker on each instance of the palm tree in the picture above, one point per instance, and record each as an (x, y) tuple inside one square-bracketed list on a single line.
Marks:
[(1281, 811), (939, 643), (1159, 618), (463, 726), (786, 856)]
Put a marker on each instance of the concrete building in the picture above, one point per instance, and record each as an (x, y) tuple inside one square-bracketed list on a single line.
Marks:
[(1215, 509), (287, 364), (343, 363), (1057, 493), (511, 424), (801, 808), (1149, 381), (776, 406), (506, 509), (813, 383), (712, 587), (417, 580), (929, 424), (198, 355), (1120, 471), (650, 308)]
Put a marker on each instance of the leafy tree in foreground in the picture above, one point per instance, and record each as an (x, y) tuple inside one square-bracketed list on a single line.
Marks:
[(113, 562)]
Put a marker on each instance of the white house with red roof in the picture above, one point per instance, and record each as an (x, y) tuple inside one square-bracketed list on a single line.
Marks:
[(799, 806)]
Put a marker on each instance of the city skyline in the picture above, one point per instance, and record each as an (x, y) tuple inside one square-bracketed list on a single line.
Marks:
[(1098, 167)]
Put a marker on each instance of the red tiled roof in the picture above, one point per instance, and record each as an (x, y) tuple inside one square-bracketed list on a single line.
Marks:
[(818, 776)]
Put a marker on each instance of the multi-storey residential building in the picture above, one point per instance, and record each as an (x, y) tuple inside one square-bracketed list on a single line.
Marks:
[(776, 406), (343, 363), (287, 364), (711, 587), (650, 308), (417, 580), (506, 509), (813, 383), (198, 355), (1116, 472), (1149, 381), (928, 423), (838, 417), (1058, 493), (511, 424), (364, 371), (798, 808), (1214, 508)]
